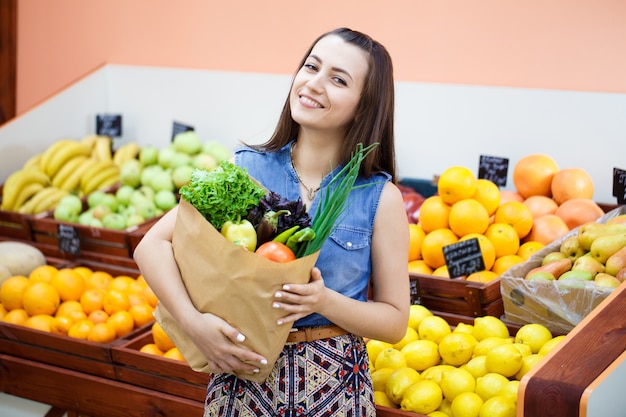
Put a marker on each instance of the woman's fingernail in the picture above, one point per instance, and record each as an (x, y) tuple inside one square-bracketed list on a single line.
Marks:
[(240, 337), (286, 287), (278, 295), (279, 322), (256, 371), (264, 362), (275, 305)]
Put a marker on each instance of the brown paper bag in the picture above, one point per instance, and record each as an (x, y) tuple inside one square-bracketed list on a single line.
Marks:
[(232, 283)]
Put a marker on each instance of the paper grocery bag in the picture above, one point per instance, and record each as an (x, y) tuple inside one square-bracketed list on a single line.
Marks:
[(232, 283)]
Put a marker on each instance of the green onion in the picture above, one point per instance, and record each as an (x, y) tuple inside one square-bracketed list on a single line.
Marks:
[(333, 203)]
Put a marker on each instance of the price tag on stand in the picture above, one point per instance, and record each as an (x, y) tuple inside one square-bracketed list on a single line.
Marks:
[(69, 239), (619, 185), (109, 125), (463, 258), (493, 168), (180, 128)]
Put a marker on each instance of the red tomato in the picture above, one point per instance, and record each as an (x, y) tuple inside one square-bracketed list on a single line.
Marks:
[(276, 251)]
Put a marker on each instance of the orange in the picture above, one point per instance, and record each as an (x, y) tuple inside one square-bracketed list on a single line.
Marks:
[(92, 300), (135, 298), (115, 300), (416, 236), (136, 287), (571, 183), (85, 271), (482, 276), (80, 329), (175, 354), (69, 283), (433, 214), (517, 215), (42, 322), (69, 308), (17, 316), (532, 175), (486, 248), (528, 249), (41, 298), (43, 273), (510, 195), (99, 279), (455, 184), (151, 296), (488, 194), (420, 267), (546, 229), (121, 283), (442, 272), (101, 333), (161, 339), (98, 316), (468, 216), (152, 349), (540, 205), (432, 246), (3, 312), (503, 263), (12, 291), (123, 322), (142, 314), (577, 211), (504, 238), (61, 325)]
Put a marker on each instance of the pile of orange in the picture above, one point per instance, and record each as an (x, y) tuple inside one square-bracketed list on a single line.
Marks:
[(77, 302), (161, 344)]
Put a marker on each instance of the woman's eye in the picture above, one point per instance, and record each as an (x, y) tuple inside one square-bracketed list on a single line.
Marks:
[(310, 66), (340, 81)]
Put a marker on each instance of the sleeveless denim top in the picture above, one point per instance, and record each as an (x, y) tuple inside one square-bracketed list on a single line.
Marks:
[(344, 259)]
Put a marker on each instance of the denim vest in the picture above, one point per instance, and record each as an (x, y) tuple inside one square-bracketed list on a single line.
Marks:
[(344, 259)]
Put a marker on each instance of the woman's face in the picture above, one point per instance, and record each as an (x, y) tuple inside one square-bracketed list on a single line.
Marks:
[(326, 90)]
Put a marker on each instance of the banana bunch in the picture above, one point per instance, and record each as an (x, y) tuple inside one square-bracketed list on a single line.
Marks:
[(45, 199), (126, 152), (21, 185), (97, 175)]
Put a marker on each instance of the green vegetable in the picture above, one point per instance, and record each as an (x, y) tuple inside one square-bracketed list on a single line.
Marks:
[(282, 237), (224, 194), (267, 227), (303, 235), (333, 201), (241, 233)]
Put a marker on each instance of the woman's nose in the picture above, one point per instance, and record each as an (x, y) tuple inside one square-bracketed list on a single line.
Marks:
[(315, 83)]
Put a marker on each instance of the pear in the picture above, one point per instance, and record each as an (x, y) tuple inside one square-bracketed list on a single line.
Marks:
[(606, 280), (556, 268), (576, 275), (616, 262), (589, 232), (588, 263), (621, 274), (605, 246), (551, 257), (571, 248)]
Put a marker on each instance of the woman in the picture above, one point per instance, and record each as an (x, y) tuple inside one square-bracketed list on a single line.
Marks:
[(342, 94)]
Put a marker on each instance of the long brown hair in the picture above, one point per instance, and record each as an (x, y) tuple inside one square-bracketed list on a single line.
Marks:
[(374, 117)]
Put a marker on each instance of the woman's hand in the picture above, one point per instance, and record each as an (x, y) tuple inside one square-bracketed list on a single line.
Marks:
[(300, 300), (221, 344)]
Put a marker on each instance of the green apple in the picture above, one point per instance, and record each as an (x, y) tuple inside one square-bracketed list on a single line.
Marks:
[(180, 159), (110, 201), (216, 150), (149, 172), (134, 220), (130, 173), (100, 211), (165, 199), (165, 156), (94, 198), (187, 142), (149, 155), (65, 213), (162, 181), (114, 221), (72, 202), (204, 161), (182, 175), (123, 194)]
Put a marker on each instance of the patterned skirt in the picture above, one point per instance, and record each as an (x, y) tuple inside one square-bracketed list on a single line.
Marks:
[(326, 377)]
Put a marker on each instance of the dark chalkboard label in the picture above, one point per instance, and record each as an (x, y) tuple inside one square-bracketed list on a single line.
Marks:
[(69, 239), (180, 128), (463, 257), (619, 185), (109, 125), (494, 169)]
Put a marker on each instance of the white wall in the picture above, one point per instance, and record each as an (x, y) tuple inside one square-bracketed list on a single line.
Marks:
[(436, 125)]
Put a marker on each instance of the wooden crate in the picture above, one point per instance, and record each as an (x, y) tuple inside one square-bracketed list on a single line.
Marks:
[(156, 372), (457, 296)]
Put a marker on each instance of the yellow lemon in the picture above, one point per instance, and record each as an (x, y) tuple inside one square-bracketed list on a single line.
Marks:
[(534, 334), (528, 362), (477, 366), (390, 358), (433, 328), (423, 397), (510, 390), (416, 313), (466, 404), (456, 349), (490, 385), (498, 406), (374, 347), (381, 398), (456, 381), (464, 328), (488, 326), (399, 380), (421, 354), (525, 350), (379, 378), (437, 413), (550, 344), (435, 373), (504, 359), (446, 407), (487, 343), (409, 336)]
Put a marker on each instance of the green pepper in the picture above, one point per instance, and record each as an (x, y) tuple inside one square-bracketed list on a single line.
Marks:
[(302, 235), (242, 234), (282, 237)]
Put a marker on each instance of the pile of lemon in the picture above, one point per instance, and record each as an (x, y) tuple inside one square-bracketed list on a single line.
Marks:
[(470, 370)]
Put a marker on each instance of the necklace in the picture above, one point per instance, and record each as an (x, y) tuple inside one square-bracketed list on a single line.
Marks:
[(310, 191)]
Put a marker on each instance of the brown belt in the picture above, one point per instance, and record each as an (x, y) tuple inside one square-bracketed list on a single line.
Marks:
[(309, 334)]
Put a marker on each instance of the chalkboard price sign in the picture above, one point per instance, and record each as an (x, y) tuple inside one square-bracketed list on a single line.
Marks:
[(493, 168), (69, 239), (109, 125), (463, 257), (619, 185), (180, 128)]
